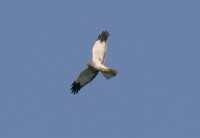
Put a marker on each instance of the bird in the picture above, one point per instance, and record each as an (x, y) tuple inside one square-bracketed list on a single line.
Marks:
[(96, 65)]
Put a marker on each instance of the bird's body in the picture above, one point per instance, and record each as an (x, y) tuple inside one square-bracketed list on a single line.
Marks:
[(97, 64)]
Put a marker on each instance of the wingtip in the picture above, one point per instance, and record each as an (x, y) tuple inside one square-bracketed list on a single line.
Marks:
[(75, 87), (103, 36)]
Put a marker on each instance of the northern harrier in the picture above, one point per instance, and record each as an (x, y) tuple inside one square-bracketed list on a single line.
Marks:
[(97, 64)]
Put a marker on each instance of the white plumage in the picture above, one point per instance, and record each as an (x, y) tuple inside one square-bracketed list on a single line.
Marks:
[(99, 52), (97, 64)]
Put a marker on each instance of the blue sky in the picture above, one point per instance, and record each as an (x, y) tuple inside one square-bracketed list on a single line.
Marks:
[(154, 45)]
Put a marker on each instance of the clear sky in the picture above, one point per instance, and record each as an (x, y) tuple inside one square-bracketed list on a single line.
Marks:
[(154, 45)]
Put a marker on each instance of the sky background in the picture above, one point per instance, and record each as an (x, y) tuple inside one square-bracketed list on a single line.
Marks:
[(154, 45)]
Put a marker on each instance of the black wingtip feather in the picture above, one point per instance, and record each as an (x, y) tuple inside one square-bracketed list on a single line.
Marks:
[(103, 36), (75, 87)]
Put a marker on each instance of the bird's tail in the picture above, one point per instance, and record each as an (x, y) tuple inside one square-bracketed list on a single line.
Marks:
[(110, 73)]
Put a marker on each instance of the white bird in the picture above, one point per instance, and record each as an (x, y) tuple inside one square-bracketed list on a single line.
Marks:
[(97, 64)]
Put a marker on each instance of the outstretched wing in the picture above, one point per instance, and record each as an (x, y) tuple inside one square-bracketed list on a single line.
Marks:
[(84, 78), (100, 47)]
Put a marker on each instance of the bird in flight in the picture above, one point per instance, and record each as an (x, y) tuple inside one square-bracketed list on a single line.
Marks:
[(97, 64)]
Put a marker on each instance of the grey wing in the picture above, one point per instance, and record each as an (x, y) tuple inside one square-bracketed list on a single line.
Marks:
[(84, 78), (100, 48)]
